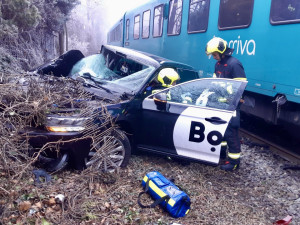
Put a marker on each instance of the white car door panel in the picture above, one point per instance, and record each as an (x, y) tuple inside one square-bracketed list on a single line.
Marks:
[(198, 133)]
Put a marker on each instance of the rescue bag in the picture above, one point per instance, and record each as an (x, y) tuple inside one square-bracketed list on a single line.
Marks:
[(166, 194)]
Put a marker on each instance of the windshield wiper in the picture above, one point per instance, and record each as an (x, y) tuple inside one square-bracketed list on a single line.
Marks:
[(96, 84), (126, 95)]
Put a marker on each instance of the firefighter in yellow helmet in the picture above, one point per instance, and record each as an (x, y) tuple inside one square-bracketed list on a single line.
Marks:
[(168, 77), (229, 67)]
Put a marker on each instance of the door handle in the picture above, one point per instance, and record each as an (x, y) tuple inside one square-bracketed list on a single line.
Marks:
[(216, 120)]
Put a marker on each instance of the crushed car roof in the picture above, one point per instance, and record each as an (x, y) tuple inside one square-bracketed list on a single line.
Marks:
[(146, 58)]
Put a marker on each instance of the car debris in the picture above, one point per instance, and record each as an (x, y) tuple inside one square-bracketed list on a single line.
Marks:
[(61, 66), (39, 174), (285, 221), (60, 198)]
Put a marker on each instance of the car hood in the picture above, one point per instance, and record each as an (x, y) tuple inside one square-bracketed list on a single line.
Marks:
[(111, 93)]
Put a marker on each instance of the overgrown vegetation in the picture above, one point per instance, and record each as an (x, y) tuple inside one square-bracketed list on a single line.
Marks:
[(27, 31), (25, 100)]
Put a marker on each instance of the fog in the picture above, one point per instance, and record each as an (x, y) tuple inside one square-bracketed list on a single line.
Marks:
[(91, 20)]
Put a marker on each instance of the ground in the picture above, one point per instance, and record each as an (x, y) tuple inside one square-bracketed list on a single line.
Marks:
[(260, 192)]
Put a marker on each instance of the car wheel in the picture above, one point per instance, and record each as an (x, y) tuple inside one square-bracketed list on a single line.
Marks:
[(112, 152), (52, 165)]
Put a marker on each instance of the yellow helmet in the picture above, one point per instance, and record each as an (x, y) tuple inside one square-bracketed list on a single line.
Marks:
[(167, 77), (216, 45)]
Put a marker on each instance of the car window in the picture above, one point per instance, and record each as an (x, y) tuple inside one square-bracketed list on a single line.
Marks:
[(213, 93), (113, 68), (134, 81)]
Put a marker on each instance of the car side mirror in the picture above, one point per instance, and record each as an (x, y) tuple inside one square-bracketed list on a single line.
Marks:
[(160, 100)]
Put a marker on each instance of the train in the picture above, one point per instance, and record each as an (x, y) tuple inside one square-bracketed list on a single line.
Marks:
[(264, 34)]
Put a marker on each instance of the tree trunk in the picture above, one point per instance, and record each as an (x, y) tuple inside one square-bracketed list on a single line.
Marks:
[(61, 39), (67, 36)]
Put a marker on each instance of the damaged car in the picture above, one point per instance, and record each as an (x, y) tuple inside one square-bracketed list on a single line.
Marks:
[(185, 120)]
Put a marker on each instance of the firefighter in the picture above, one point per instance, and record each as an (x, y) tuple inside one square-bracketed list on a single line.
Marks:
[(167, 77), (229, 67)]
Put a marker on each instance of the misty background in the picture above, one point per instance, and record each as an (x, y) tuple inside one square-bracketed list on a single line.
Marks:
[(90, 21), (33, 32)]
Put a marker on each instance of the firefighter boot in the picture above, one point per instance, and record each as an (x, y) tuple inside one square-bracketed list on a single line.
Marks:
[(230, 165)]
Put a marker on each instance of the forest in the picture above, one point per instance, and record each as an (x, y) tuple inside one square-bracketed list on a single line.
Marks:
[(36, 31)]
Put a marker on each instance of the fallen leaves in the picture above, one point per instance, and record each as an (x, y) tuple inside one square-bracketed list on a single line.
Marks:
[(24, 206)]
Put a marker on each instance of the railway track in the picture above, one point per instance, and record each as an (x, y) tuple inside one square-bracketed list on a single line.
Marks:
[(285, 152)]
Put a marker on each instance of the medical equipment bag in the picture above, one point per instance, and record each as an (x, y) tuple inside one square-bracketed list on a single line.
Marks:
[(166, 194)]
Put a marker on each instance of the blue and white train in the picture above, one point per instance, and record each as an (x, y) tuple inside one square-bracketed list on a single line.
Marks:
[(264, 33)]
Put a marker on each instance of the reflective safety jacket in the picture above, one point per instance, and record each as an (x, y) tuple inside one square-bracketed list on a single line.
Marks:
[(230, 67)]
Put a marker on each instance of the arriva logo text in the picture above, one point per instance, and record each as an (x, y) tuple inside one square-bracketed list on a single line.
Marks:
[(241, 47)]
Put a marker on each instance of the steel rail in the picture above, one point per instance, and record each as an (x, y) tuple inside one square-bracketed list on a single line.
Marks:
[(280, 150)]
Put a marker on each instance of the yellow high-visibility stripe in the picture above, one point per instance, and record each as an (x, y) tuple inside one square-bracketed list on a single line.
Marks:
[(222, 99), (240, 78), (234, 155), (224, 143), (229, 89), (153, 186)]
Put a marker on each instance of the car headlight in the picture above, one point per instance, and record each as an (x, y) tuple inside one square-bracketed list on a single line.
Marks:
[(64, 129), (65, 124)]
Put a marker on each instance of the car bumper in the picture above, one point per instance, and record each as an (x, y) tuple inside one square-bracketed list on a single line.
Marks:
[(72, 143)]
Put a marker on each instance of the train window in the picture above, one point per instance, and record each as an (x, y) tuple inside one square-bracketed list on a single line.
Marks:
[(235, 14), (175, 15), (119, 31), (146, 24), (136, 28), (127, 29), (158, 21), (283, 12), (198, 16)]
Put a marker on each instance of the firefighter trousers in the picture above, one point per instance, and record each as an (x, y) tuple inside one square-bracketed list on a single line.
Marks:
[(233, 140)]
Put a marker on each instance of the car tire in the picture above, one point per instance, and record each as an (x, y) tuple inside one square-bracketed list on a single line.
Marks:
[(113, 152), (50, 164), (57, 164)]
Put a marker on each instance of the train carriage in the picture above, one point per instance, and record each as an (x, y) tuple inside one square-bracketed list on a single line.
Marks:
[(264, 35)]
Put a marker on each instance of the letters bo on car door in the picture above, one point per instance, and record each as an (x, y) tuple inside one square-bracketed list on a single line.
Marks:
[(201, 110)]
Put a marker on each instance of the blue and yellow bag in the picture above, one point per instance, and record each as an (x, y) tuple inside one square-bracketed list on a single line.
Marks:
[(166, 194)]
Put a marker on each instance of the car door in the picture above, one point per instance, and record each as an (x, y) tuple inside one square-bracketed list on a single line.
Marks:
[(190, 119)]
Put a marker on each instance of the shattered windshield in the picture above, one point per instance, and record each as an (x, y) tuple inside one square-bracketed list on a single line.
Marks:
[(112, 69), (95, 66)]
